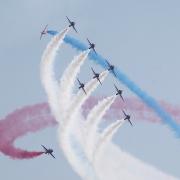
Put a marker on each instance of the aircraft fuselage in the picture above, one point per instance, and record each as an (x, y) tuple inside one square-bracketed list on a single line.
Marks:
[(49, 151), (119, 92), (96, 76), (127, 117), (92, 46), (111, 68), (81, 86), (72, 24)]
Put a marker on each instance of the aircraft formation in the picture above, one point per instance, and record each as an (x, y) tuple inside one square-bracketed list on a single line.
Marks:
[(110, 68)]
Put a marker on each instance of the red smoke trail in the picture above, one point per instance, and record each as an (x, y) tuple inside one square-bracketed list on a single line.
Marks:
[(18, 124), (135, 107), (31, 119)]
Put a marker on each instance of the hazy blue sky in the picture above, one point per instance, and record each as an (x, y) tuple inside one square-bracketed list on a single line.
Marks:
[(141, 37)]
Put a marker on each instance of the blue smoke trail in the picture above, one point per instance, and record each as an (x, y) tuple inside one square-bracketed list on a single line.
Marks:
[(150, 101)]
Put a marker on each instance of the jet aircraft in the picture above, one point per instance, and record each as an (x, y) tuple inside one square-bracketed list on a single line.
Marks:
[(48, 151), (44, 31), (81, 85), (127, 117), (96, 75), (91, 46), (111, 68), (119, 92), (71, 24)]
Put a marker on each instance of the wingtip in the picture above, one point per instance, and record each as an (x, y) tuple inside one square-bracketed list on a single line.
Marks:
[(122, 98), (131, 124)]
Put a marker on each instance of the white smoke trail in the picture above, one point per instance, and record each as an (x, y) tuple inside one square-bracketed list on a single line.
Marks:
[(66, 139), (75, 108), (51, 87), (81, 97), (72, 119), (72, 149), (47, 73), (116, 164), (75, 154), (68, 78), (105, 137), (93, 120)]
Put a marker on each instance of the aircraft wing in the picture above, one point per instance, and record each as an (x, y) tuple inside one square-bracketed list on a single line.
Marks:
[(93, 71), (94, 51), (99, 80), (41, 36), (68, 19), (114, 73), (79, 81), (116, 87), (107, 62), (84, 90), (44, 147), (121, 97), (130, 122), (124, 113), (88, 41), (45, 27), (52, 156), (75, 29)]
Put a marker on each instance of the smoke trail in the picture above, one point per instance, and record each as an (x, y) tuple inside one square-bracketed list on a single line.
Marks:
[(74, 152), (150, 101), (106, 137), (65, 93), (81, 97), (51, 88), (93, 121), (116, 164), (68, 78), (77, 102), (140, 111), (71, 119), (47, 74), (67, 141), (18, 124), (17, 153), (42, 111), (110, 164)]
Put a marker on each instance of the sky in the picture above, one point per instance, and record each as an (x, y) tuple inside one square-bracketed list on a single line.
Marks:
[(140, 37)]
